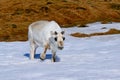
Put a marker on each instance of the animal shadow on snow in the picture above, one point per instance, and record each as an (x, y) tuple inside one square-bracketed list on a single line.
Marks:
[(37, 56)]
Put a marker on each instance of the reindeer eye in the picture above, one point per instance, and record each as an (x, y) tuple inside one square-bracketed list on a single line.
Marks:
[(63, 38), (55, 38)]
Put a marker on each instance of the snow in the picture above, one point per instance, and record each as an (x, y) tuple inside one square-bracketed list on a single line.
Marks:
[(90, 58)]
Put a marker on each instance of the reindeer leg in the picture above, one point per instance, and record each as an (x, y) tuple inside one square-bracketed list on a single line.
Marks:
[(43, 55), (53, 56), (32, 50)]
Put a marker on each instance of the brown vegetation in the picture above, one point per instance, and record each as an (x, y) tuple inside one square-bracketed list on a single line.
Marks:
[(16, 15), (111, 31)]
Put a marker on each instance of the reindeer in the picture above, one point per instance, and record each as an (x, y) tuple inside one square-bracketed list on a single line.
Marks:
[(46, 34)]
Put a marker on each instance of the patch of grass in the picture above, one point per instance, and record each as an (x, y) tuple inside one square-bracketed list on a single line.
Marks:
[(77, 34), (111, 31), (115, 6)]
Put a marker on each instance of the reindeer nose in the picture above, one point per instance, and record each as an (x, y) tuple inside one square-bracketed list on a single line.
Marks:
[(60, 48)]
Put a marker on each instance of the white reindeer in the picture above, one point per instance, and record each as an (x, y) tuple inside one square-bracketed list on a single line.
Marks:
[(46, 34)]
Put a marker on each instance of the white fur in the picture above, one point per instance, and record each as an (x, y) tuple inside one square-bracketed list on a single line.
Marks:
[(41, 34)]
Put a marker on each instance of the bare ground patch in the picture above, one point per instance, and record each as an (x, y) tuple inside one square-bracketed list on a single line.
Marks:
[(110, 32)]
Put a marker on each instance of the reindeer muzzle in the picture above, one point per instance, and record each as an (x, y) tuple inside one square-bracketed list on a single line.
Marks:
[(60, 48)]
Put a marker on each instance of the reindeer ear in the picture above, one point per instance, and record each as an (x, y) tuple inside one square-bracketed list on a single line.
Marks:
[(63, 32), (55, 33)]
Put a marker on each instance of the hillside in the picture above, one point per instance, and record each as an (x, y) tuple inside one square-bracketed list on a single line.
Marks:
[(16, 15)]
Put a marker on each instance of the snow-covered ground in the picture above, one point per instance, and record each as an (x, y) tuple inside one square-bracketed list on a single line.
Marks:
[(90, 58)]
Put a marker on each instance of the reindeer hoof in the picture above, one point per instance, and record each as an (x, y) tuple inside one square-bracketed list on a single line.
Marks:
[(42, 59), (54, 60), (42, 56)]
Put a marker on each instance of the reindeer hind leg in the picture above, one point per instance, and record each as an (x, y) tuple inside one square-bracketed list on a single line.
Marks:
[(32, 50)]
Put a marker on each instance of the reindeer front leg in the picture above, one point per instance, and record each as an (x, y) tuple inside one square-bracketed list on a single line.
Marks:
[(43, 55), (53, 56)]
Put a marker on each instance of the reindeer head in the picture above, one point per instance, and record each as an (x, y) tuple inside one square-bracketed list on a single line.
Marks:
[(58, 38)]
